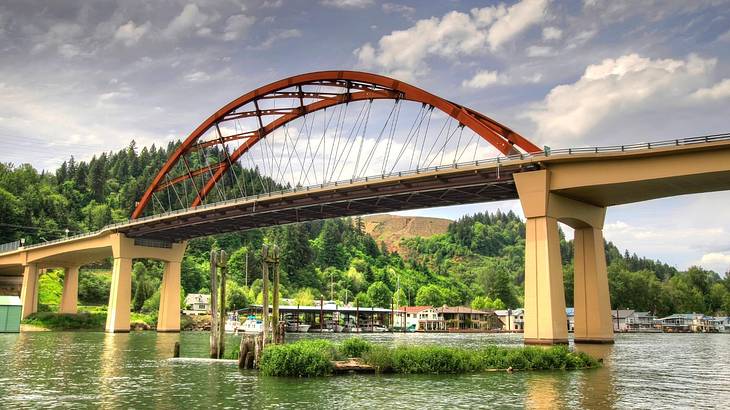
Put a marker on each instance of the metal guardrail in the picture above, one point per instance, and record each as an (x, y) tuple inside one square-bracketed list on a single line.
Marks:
[(9, 247), (502, 160)]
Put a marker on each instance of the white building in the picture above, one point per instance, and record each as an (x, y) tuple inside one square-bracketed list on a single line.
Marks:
[(418, 318), (513, 320), (197, 304)]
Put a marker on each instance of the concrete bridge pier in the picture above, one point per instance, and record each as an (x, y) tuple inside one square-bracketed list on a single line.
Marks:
[(168, 318), (70, 293), (591, 296), (29, 291), (120, 295), (124, 250), (545, 318)]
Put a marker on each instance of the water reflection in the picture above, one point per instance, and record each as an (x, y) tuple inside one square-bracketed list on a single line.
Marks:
[(113, 359), (597, 387), (543, 391), (87, 369)]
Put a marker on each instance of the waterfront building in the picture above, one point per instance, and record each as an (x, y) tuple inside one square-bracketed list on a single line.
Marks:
[(419, 318), (723, 324), (512, 320), (10, 312), (620, 317), (197, 304), (460, 318), (641, 322), (691, 322)]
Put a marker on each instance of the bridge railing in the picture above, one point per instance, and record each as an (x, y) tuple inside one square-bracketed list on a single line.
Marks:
[(9, 247), (501, 160)]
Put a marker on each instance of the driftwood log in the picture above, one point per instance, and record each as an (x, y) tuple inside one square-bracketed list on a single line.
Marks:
[(353, 365)]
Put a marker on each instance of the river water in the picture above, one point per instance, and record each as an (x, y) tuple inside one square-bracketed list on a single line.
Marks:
[(98, 370)]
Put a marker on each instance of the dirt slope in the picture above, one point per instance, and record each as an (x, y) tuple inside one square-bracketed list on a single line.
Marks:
[(392, 228)]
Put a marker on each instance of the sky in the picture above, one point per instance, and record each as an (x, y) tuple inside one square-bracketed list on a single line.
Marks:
[(78, 78)]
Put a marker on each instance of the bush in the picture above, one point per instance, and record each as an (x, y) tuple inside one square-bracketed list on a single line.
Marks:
[(437, 359), (304, 358), (355, 347), (308, 358), (61, 321)]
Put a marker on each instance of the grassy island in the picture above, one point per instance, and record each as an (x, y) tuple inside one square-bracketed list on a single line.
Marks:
[(84, 320), (309, 358)]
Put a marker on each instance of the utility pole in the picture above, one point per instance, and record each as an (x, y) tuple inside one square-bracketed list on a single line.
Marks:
[(246, 282), (332, 286)]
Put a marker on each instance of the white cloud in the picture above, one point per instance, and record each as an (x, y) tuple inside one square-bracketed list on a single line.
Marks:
[(540, 51), (278, 36), (237, 26), (519, 17), (347, 4), (482, 79), (64, 36), (190, 19), (724, 37), (552, 33), (197, 77), (717, 261), (68, 50), (716, 92), (615, 86), (130, 33), (455, 34), (272, 4), (402, 9), (486, 78)]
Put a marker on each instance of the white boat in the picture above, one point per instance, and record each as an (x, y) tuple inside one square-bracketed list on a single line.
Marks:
[(233, 326), (297, 327), (252, 325)]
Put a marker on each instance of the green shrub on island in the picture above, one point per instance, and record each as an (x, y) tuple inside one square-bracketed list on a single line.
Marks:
[(438, 359), (84, 320), (309, 358), (304, 358), (61, 321), (354, 347)]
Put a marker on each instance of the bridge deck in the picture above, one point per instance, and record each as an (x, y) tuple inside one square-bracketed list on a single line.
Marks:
[(603, 176)]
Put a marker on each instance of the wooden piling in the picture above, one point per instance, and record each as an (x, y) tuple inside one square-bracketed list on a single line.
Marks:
[(213, 305), (265, 307), (176, 350), (242, 352), (222, 259), (274, 260)]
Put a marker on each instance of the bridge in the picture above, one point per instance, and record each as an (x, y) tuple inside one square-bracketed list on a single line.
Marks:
[(277, 155)]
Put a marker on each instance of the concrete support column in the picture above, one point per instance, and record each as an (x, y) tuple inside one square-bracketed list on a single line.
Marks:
[(70, 294), (120, 297), (545, 319), (168, 319), (592, 299), (29, 291)]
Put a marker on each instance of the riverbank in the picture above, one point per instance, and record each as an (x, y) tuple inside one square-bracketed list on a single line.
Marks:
[(90, 321), (317, 357)]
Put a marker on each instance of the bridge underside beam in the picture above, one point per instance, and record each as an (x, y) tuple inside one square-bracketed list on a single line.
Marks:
[(359, 199)]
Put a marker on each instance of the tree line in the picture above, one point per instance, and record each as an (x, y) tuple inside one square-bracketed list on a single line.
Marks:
[(479, 261)]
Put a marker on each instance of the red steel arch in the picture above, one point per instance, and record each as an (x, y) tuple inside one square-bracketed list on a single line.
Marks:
[(361, 86)]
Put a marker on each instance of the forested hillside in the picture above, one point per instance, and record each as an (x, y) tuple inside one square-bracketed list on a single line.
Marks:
[(478, 261)]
